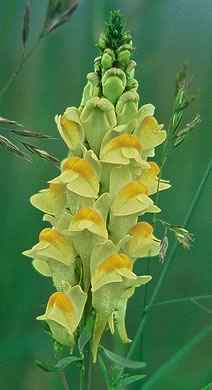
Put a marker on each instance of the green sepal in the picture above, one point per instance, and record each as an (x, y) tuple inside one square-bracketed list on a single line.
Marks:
[(120, 360), (59, 366)]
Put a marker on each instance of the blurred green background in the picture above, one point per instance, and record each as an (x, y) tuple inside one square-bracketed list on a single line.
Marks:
[(166, 33)]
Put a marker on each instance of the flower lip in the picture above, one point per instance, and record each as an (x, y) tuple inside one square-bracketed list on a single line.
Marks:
[(67, 124), (52, 237), (80, 166), (132, 189), (149, 124), (115, 262), (56, 188), (89, 214), (125, 140), (154, 169), (141, 230), (62, 301)]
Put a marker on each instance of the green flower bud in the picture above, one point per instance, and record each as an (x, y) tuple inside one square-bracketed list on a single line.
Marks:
[(132, 86), (108, 59), (113, 83), (91, 89), (127, 107), (124, 54), (102, 44), (97, 118), (97, 64)]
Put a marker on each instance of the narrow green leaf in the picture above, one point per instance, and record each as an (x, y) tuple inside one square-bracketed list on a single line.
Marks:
[(59, 366), (208, 387), (120, 360), (129, 379), (26, 23), (85, 335)]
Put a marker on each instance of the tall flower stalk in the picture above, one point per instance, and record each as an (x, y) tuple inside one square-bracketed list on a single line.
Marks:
[(105, 184)]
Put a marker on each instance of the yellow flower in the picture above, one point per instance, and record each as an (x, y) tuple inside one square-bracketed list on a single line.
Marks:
[(63, 313), (143, 243), (54, 256), (52, 200), (150, 134), (87, 227), (150, 178), (111, 275), (70, 127)]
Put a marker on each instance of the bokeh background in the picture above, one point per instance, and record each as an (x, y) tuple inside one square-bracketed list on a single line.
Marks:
[(166, 33)]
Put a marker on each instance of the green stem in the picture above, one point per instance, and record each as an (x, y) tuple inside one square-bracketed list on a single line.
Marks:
[(167, 265), (181, 300), (85, 377), (176, 359), (62, 373), (22, 63), (7, 19)]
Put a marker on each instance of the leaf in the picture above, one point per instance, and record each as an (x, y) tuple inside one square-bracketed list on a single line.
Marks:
[(25, 31), (85, 335), (208, 387), (120, 360), (129, 379), (193, 357), (59, 366), (7, 144), (9, 121)]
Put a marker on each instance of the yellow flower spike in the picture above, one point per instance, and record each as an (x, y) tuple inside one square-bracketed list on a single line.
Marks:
[(52, 200), (70, 128), (63, 313), (111, 275), (79, 176), (150, 178), (56, 251), (143, 243), (98, 116), (121, 149), (150, 135)]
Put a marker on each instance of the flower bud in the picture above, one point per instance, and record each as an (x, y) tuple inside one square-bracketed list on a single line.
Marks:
[(127, 107), (98, 116), (113, 84), (150, 178), (107, 59)]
